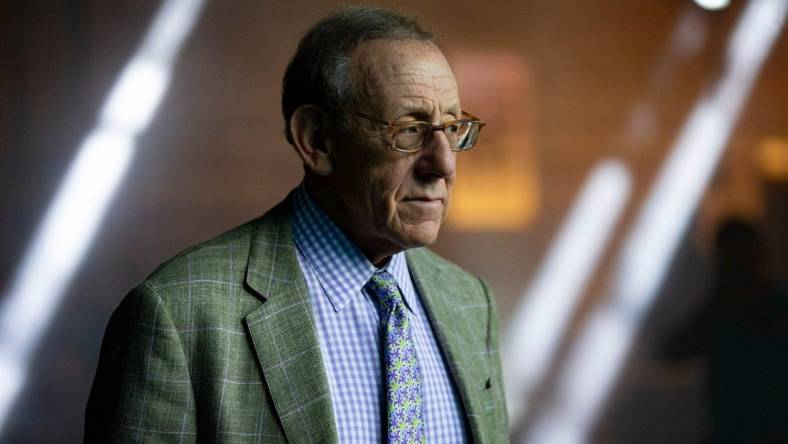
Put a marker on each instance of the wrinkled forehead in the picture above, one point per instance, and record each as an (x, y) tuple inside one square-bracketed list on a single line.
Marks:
[(399, 77)]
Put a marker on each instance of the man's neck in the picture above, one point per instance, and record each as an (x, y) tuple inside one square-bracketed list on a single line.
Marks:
[(332, 207)]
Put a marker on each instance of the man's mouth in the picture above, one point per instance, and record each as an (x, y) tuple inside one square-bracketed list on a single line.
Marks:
[(424, 199)]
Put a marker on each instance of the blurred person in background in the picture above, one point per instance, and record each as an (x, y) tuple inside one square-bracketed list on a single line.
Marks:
[(743, 332), (325, 319)]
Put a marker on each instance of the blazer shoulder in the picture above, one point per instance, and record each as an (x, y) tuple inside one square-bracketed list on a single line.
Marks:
[(210, 256), (222, 259), (428, 261), (425, 256)]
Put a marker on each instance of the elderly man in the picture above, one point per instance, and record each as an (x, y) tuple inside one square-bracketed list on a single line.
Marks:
[(324, 320)]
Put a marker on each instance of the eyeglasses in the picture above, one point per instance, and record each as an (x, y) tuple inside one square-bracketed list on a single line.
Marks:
[(411, 136)]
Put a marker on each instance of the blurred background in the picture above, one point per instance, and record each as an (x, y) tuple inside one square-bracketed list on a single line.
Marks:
[(628, 200)]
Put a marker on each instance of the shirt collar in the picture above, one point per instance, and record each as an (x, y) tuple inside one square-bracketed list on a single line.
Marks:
[(340, 266)]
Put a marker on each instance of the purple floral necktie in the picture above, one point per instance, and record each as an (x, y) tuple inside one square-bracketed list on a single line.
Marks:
[(404, 400)]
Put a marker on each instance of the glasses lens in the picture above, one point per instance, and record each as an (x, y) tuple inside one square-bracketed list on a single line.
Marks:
[(461, 135), (454, 133), (467, 135), (411, 136)]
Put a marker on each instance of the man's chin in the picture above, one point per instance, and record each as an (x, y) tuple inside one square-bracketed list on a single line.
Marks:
[(420, 234)]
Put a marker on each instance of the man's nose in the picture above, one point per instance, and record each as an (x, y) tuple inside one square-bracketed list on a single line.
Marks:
[(437, 157)]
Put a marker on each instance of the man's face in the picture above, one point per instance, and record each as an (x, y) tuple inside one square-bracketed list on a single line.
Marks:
[(387, 200)]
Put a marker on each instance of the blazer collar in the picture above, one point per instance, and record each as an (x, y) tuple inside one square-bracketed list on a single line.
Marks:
[(441, 294), (283, 332)]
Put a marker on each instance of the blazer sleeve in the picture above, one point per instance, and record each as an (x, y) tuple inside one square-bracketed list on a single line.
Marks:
[(142, 390)]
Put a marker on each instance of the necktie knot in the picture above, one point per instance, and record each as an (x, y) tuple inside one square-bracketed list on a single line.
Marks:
[(384, 286)]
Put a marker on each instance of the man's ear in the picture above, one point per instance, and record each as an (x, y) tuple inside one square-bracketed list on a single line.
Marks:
[(310, 133)]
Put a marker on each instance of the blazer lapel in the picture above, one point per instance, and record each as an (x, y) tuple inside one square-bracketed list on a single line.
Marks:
[(443, 297), (283, 332)]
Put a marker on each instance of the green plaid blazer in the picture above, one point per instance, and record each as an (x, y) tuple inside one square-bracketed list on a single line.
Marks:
[(219, 345)]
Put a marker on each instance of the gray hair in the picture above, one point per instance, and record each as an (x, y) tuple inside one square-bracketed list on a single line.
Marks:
[(320, 72)]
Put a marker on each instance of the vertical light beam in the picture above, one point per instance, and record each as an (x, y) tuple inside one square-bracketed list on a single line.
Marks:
[(72, 219), (595, 359), (539, 324), (535, 329)]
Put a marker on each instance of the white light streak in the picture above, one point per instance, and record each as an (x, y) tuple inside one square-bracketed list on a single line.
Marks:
[(535, 332), (535, 329), (64, 237), (595, 359), (713, 4), (72, 219), (134, 100)]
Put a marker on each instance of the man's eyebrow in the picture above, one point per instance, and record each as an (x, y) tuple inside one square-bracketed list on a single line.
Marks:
[(421, 114), (417, 114)]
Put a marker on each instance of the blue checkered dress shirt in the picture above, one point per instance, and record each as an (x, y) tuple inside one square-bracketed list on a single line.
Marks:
[(347, 320)]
